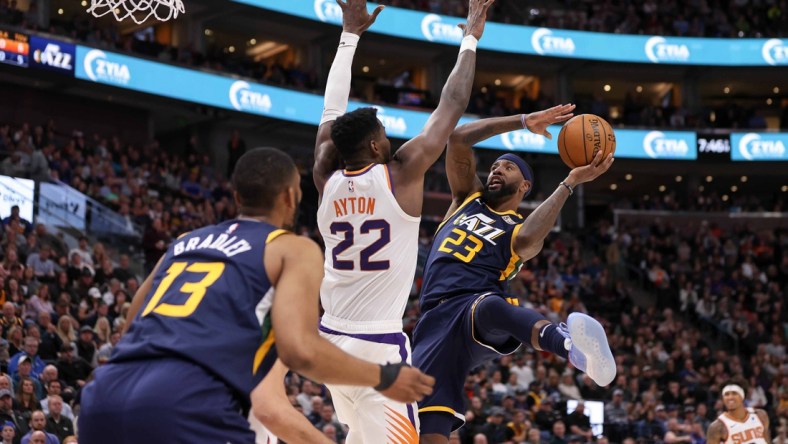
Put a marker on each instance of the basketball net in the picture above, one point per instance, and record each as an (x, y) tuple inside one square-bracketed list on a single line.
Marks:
[(138, 10)]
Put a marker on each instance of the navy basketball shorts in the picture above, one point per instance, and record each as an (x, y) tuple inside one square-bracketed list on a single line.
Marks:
[(446, 347), (161, 401)]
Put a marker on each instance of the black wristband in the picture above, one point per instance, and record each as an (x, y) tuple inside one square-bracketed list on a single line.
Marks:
[(388, 374)]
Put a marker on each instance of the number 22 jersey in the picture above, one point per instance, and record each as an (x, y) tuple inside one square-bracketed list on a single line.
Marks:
[(473, 252), (371, 250), (210, 303)]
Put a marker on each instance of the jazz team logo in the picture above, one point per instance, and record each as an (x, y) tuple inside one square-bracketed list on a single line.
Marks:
[(243, 98), (99, 68)]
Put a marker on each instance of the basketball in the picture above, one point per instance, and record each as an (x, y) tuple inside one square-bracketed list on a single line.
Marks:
[(582, 137)]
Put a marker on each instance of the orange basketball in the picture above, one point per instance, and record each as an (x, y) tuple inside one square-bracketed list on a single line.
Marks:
[(582, 137)]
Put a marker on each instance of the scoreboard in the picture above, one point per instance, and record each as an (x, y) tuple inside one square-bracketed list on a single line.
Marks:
[(14, 48)]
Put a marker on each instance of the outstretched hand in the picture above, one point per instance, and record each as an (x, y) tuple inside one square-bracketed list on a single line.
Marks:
[(355, 18), (598, 166), (477, 17), (538, 122)]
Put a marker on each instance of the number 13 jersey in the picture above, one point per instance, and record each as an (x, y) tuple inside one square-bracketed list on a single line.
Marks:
[(210, 303), (371, 250), (473, 252)]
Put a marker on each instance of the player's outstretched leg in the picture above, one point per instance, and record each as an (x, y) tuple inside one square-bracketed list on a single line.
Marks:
[(582, 340), (590, 352)]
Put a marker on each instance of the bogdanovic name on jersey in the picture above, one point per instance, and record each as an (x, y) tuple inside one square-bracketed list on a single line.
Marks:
[(230, 246)]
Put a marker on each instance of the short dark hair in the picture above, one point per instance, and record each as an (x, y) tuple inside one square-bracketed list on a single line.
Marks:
[(260, 175), (354, 129)]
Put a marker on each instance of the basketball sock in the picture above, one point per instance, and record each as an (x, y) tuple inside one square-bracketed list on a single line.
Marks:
[(553, 340), (497, 321)]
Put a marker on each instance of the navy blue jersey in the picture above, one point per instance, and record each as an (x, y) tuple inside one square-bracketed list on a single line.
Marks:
[(472, 253), (210, 303)]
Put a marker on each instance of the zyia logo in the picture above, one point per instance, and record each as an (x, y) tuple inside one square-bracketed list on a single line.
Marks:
[(53, 56), (775, 52), (435, 30), (480, 225), (657, 146), (395, 125), (99, 69), (545, 43), (753, 147), (328, 11), (659, 50), (523, 140), (244, 99)]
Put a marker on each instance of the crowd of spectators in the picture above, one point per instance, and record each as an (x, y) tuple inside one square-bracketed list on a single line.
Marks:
[(743, 18), (702, 18), (710, 306)]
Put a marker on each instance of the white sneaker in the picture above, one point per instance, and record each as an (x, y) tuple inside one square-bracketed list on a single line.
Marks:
[(589, 352)]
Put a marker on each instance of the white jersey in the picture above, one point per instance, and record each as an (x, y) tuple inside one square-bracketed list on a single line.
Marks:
[(371, 252), (749, 431)]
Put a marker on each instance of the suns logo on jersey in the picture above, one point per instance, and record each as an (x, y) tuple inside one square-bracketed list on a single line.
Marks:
[(480, 225), (747, 435)]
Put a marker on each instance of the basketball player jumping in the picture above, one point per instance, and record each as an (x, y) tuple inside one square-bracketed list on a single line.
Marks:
[(738, 424), (369, 218), (202, 335), (466, 318)]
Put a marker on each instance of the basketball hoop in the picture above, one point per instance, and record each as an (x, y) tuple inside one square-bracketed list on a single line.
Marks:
[(138, 10)]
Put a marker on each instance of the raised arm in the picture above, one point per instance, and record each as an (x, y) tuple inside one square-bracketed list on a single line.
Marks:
[(460, 162), (355, 20), (538, 224), (419, 153)]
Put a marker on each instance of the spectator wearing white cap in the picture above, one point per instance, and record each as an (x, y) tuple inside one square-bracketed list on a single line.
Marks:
[(30, 349)]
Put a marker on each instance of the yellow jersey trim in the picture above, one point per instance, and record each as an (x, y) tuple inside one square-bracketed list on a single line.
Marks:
[(513, 213), (274, 234), (462, 205), (262, 351), (437, 409), (515, 257)]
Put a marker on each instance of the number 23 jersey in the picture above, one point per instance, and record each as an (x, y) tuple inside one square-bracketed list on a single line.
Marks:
[(472, 253), (371, 249), (210, 303)]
